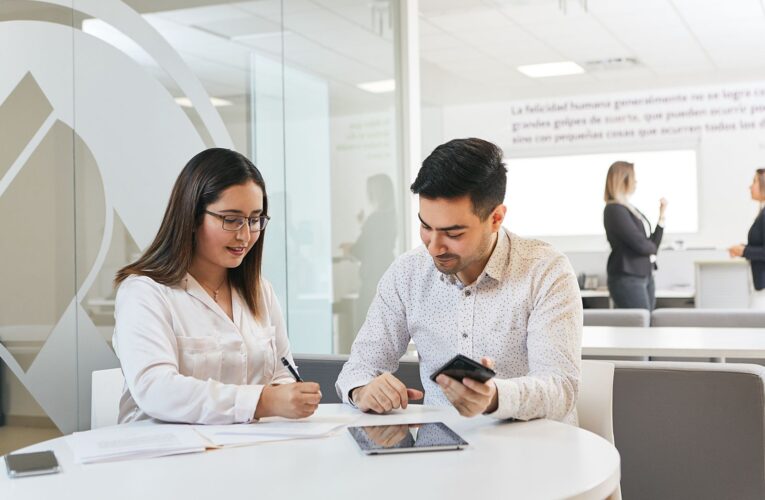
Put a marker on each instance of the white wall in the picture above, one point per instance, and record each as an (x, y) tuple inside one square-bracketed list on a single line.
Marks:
[(726, 159)]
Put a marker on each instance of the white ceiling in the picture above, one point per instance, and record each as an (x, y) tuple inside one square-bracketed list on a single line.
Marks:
[(345, 42), (675, 42), (470, 48)]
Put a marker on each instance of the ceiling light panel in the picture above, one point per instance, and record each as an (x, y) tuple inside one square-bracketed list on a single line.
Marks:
[(547, 70)]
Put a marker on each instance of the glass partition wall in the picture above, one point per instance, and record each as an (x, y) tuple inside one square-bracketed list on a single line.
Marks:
[(102, 102)]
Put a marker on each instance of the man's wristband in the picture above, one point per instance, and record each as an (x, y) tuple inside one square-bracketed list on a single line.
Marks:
[(350, 396)]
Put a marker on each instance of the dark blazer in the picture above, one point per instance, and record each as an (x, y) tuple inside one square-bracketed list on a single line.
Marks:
[(630, 249), (755, 250)]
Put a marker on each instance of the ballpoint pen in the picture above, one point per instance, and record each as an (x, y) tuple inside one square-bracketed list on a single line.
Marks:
[(292, 369)]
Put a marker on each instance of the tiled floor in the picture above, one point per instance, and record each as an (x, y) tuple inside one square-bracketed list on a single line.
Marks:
[(12, 438)]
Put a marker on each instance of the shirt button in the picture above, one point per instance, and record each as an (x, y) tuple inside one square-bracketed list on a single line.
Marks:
[(464, 335), (467, 293)]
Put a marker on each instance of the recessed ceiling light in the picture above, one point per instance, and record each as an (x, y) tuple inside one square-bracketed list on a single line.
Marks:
[(185, 102), (551, 69), (613, 63), (378, 87)]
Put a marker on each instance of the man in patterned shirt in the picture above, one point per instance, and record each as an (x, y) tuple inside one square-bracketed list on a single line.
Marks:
[(474, 288)]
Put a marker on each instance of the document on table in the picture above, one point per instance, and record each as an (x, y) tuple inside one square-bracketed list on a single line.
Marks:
[(274, 429), (151, 438), (139, 441)]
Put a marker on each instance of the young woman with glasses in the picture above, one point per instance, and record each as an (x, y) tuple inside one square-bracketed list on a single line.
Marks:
[(199, 332)]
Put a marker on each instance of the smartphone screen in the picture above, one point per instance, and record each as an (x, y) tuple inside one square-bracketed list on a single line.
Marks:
[(31, 464)]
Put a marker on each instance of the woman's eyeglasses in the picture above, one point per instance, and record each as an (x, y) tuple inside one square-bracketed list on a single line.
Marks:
[(237, 222)]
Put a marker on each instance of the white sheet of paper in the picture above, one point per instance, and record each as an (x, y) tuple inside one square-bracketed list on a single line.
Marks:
[(127, 442), (274, 429)]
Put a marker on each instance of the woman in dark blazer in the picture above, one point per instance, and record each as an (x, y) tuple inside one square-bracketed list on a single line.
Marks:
[(754, 250), (633, 243)]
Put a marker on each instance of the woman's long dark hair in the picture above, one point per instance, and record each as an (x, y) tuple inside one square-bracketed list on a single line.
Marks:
[(200, 183)]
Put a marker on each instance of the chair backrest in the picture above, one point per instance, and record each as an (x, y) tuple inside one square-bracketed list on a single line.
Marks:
[(722, 284), (731, 318), (690, 430), (106, 390), (594, 404), (324, 370), (617, 317)]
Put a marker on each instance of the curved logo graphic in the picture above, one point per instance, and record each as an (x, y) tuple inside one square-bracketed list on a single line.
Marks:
[(91, 146)]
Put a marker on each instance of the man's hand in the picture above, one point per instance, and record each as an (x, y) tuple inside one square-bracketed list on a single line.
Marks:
[(387, 435), (384, 394), (298, 400), (471, 397)]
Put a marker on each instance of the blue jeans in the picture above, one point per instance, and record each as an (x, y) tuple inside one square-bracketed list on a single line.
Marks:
[(632, 292)]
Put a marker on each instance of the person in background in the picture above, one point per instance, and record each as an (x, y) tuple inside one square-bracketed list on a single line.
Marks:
[(199, 332), (375, 246), (633, 243), (754, 250)]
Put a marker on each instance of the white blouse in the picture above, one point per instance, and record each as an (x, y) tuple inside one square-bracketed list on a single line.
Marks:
[(185, 360)]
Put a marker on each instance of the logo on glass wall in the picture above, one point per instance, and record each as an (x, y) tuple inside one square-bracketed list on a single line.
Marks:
[(91, 144)]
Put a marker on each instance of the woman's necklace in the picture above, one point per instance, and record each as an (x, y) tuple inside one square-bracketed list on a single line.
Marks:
[(214, 292)]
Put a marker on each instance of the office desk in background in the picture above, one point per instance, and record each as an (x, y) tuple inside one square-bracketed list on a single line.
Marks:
[(539, 459), (669, 297), (683, 342)]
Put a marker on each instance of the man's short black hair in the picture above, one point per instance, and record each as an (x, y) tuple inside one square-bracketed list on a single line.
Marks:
[(464, 167)]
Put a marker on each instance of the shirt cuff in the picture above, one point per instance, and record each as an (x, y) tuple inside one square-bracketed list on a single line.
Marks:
[(346, 388), (246, 401), (508, 395)]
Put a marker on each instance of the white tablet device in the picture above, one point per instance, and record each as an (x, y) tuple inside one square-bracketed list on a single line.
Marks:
[(405, 438)]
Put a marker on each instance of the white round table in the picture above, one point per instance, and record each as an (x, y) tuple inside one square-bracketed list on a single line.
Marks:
[(538, 459)]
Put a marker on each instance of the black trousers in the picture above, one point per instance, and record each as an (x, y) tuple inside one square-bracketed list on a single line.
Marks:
[(632, 292)]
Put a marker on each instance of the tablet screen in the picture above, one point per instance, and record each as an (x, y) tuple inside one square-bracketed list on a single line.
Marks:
[(400, 438)]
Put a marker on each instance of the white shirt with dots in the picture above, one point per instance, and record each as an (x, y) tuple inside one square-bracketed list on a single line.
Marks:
[(524, 311)]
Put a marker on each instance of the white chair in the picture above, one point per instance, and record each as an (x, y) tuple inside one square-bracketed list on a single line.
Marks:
[(106, 390), (595, 404)]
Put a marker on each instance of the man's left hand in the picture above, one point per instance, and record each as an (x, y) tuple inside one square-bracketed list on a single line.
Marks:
[(469, 396)]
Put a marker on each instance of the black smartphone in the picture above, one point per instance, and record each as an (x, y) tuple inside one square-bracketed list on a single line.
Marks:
[(460, 367), (31, 464)]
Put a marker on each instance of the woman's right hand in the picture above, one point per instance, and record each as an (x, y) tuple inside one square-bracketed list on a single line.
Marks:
[(297, 400), (662, 207)]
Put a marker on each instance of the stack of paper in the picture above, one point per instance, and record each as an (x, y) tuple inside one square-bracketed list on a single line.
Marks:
[(127, 442), (273, 429)]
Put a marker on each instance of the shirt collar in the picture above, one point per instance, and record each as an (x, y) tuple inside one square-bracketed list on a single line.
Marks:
[(495, 267), (195, 289), (497, 264)]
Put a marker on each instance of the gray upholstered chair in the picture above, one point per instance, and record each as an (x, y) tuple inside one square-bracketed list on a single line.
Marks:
[(690, 430), (617, 317), (324, 369), (733, 318)]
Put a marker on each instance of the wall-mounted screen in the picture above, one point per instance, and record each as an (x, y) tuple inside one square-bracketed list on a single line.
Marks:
[(563, 195)]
